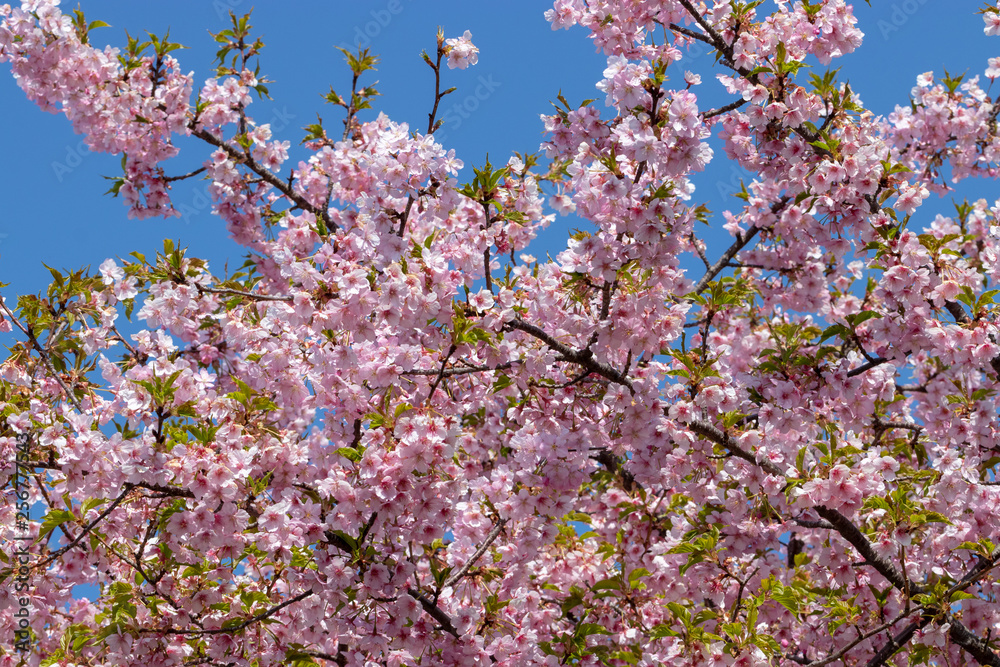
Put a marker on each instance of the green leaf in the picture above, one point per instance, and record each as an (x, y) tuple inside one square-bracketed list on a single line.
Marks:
[(502, 382), (635, 576), (53, 520), (662, 630), (854, 319), (585, 629), (612, 584), (351, 454), (787, 598)]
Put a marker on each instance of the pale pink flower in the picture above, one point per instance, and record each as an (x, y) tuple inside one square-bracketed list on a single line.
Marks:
[(461, 51)]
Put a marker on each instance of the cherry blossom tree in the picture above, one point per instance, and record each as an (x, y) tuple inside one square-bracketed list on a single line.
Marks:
[(394, 438)]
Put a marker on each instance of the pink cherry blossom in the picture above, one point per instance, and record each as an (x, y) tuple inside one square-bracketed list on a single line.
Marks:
[(461, 51), (397, 436)]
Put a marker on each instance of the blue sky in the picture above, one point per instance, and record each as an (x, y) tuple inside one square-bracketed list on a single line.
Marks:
[(55, 210)]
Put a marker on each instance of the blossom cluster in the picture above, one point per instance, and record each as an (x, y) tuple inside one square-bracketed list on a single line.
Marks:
[(396, 437)]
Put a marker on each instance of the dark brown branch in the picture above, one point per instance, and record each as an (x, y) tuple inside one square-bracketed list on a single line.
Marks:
[(583, 357), (687, 32), (265, 175), (857, 539), (607, 290), (701, 253), (431, 124), (805, 523), (725, 440), (957, 312), (171, 491), (867, 366), (235, 628), (838, 521), (493, 534), (898, 642), (738, 244), (906, 426), (435, 612), (405, 216), (732, 106), (440, 375), (973, 645), (982, 567), (90, 526), (170, 179), (613, 465), (717, 40), (460, 371), (249, 295), (486, 270)]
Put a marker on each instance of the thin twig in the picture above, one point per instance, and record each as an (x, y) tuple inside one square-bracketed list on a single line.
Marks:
[(436, 612), (170, 179), (246, 159), (701, 252), (867, 366), (86, 529), (741, 241), (440, 375), (721, 110), (868, 635), (235, 628), (44, 356), (249, 295), (493, 534)]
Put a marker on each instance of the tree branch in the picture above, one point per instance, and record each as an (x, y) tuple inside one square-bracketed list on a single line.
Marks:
[(732, 106), (833, 657), (738, 244), (725, 440), (436, 612), (867, 366), (264, 174), (973, 645), (460, 371), (249, 295), (584, 357), (235, 628), (898, 642), (852, 534), (90, 526), (494, 533), (44, 356)]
